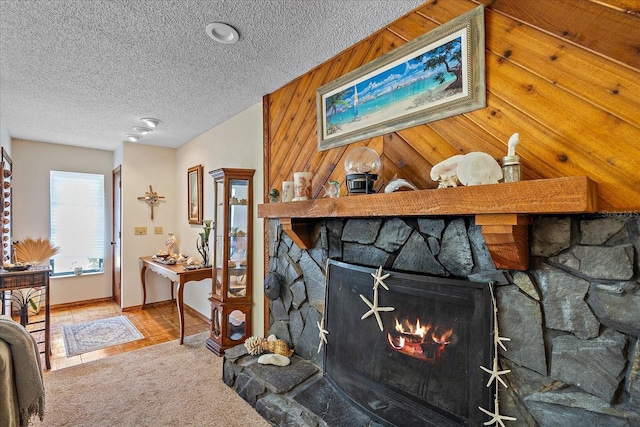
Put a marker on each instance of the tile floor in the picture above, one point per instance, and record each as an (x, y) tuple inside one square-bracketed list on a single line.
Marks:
[(157, 322)]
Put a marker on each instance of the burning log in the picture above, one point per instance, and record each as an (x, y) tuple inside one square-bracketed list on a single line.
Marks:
[(416, 341)]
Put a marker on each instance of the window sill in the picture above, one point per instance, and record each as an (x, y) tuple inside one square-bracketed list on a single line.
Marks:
[(68, 275)]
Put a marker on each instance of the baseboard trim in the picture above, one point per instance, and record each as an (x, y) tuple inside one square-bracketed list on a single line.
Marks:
[(191, 310), (77, 303), (197, 314)]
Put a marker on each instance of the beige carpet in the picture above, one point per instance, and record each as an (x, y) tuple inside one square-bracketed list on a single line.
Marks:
[(163, 385)]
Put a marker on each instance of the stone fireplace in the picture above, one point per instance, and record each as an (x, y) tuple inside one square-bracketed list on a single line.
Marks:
[(573, 317)]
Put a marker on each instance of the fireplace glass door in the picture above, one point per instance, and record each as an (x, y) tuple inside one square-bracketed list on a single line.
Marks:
[(423, 367)]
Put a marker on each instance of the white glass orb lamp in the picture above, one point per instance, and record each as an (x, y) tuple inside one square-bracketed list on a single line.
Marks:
[(362, 166)]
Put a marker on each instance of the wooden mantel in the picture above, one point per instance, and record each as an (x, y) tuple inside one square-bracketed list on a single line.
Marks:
[(502, 210)]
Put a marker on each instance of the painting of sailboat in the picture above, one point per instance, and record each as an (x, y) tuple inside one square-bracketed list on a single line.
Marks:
[(428, 78)]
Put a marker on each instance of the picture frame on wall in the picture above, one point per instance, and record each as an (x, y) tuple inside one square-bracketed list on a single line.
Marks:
[(194, 194), (437, 75)]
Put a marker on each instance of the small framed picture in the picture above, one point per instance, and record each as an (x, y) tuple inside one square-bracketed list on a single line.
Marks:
[(194, 194)]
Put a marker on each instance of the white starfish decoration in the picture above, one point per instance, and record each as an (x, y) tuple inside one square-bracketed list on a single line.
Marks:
[(495, 371), (323, 334), (378, 277), (375, 310), (496, 416), (499, 339)]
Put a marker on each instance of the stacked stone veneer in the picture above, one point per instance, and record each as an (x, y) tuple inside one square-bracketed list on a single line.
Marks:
[(573, 318)]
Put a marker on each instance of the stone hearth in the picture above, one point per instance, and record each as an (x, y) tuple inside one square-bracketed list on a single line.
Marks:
[(573, 317)]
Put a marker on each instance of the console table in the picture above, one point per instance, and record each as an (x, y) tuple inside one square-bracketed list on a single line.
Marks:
[(34, 277), (177, 274)]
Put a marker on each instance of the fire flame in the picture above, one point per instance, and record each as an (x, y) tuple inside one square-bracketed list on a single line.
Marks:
[(443, 339), (416, 329), (424, 342)]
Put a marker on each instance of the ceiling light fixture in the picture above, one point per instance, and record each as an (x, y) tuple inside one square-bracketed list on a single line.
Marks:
[(142, 130), (222, 33), (152, 123), (132, 138)]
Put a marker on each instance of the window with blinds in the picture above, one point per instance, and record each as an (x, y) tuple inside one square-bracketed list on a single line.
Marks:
[(77, 222)]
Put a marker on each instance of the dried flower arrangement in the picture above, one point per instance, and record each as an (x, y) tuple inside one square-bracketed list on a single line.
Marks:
[(34, 251)]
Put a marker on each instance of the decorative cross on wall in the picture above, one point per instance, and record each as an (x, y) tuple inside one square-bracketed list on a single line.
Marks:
[(152, 198)]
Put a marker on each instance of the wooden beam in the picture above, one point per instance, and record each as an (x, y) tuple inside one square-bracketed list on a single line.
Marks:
[(575, 194), (507, 239), (300, 231), (501, 210)]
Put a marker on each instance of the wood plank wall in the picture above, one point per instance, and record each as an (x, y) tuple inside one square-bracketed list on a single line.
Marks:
[(565, 74)]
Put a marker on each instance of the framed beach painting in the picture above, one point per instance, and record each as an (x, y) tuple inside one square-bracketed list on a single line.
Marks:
[(436, 75), (194, 194)]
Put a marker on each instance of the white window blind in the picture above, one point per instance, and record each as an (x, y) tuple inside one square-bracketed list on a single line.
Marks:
[(77, 221)]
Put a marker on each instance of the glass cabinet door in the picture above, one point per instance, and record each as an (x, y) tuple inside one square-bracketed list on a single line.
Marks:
[(238, 236), (219, 249), (232, 236)]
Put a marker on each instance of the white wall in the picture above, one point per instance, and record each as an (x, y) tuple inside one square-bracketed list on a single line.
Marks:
[(32, 162), (5, 139), (142, 166), (236, 143)]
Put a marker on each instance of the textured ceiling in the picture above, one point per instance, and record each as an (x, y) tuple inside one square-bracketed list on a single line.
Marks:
[(83, 72)]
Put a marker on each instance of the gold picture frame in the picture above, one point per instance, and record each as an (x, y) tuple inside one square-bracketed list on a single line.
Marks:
[(437, 75), (194, 194)]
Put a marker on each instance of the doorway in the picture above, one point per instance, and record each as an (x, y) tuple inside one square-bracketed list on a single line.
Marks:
[(116, 236)]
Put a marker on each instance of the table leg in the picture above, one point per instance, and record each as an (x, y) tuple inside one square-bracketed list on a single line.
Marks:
[(180, 302), (47, 327), (144, 284)]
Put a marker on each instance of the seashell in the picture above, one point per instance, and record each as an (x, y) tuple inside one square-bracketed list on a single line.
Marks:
[(477, 168), (274, 359), (253, 345), (278, 347), (446, 172), (170, 242), (397, 184)]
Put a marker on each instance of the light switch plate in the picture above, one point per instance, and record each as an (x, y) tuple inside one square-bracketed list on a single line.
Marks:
[(157, 230), (139, 231)]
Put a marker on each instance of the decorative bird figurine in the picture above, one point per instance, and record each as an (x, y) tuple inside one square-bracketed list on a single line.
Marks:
[(170, 243)]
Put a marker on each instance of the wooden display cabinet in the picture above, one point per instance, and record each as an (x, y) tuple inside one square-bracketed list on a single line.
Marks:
[(231, 259)]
